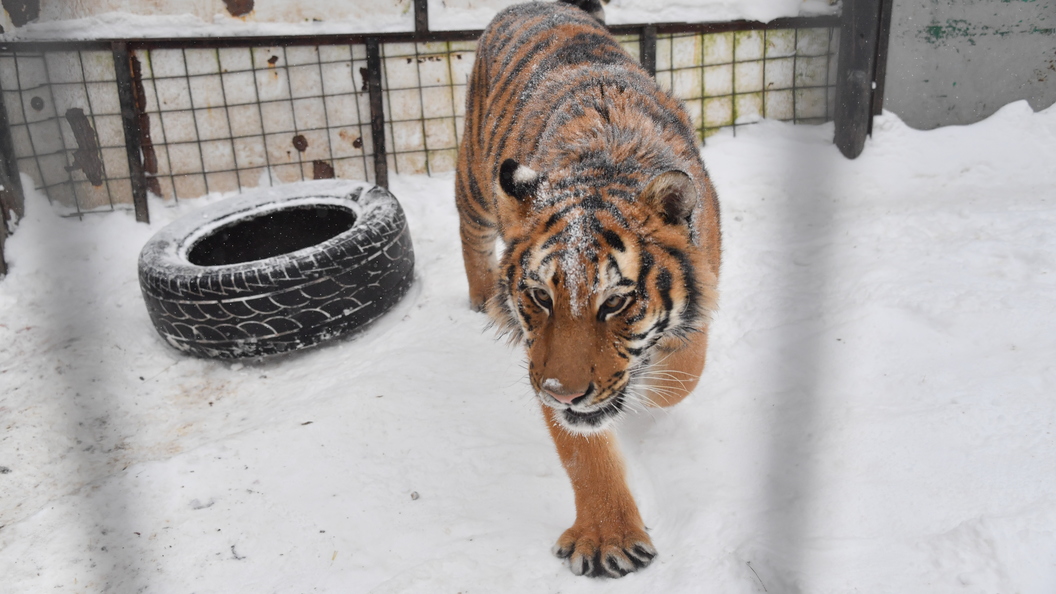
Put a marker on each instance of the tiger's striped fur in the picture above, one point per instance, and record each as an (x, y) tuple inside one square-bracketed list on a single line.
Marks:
[(591, 176)]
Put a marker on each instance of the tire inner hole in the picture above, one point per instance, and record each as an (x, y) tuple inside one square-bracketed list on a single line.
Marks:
[(273, 234)]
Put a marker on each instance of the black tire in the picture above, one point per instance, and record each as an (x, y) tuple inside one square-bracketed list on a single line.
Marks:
[(277, 269)]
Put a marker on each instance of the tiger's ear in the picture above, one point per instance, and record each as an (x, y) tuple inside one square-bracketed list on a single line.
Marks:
[(673, 194), (518, 181)]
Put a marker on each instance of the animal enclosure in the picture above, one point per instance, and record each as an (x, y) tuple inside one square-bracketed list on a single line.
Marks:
[(216, 115)]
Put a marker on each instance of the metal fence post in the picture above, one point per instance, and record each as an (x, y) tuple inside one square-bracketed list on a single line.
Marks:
[(3, 237), (421, 16), (130, 122), (377, 113), (880, 70), (647, 48), (12, 198), (859, 33)]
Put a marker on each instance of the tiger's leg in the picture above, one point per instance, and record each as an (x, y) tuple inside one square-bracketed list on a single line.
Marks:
[(478, 254), (477, 228), (608, 537), (675, 374)]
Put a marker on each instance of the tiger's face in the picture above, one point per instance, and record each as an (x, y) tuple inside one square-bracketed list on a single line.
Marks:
[(595, 293)]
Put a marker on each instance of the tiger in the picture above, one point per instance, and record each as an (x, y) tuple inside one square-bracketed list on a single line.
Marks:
[(590, 178)]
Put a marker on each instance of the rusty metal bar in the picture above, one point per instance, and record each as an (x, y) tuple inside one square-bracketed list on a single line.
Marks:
[(377, 113), (133, 135), (819, 22)]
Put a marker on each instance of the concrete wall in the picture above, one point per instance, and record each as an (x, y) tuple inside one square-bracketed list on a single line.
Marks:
[(958, 61)]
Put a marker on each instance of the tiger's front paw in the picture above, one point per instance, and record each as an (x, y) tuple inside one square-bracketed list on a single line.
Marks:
[(478, 302), (605, 549)]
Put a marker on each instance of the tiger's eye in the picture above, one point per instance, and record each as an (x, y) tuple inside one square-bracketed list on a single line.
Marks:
[(541, 298), (613, 305)]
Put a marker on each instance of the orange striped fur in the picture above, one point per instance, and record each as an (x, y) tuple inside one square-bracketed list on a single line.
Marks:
[(591, 176)]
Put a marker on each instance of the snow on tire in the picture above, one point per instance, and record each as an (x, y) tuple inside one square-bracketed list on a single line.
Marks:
[(277, 269)]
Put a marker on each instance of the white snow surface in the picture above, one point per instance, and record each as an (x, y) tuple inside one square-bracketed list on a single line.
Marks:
[(146, 18), (475, 14), (877, 414)]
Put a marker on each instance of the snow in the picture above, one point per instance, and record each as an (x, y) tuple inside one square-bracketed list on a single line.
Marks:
[(358, 17), (876, 415), (152, 20), (475, 14)]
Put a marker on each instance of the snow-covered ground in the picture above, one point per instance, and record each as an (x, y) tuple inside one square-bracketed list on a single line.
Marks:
[(877, 414)]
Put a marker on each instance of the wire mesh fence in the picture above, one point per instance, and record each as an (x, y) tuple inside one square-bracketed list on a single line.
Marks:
[(65, 124), (222, 115), (225, 118), (425, 92), (740, 77)]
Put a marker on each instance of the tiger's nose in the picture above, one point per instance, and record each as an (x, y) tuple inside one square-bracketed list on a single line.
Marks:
[(562, 394)]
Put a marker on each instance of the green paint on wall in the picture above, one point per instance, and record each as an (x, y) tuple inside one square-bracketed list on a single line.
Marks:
[(952, 28), (937, 33)]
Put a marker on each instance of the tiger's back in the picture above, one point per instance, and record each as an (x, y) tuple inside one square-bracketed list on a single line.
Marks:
[(592, 177)]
